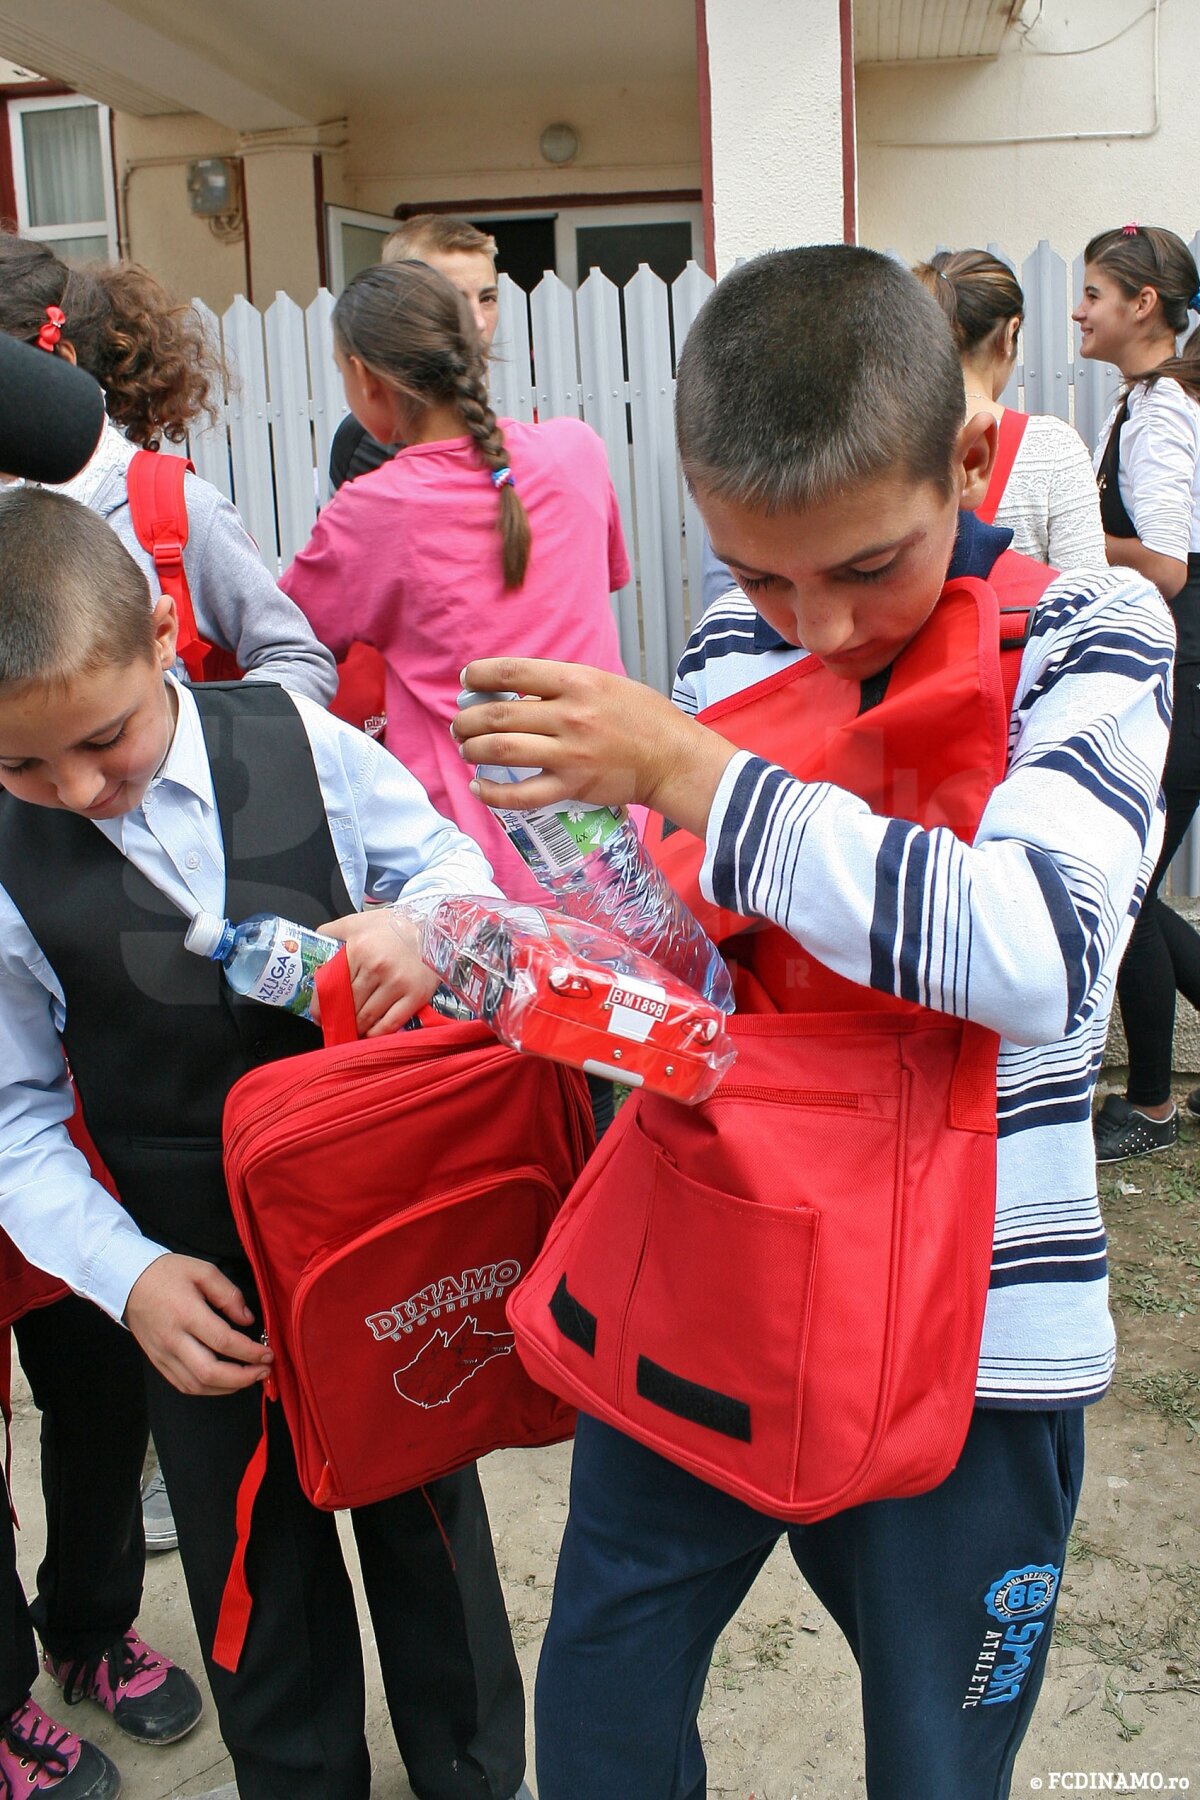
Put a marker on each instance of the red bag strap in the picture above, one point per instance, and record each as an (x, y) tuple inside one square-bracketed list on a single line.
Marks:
[(233, 1620), (158, 512), (335, 993), (1012, 430)]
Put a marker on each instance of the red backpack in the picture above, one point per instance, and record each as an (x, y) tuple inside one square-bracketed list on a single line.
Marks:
[(389, 1194), (158, 513), (782, 1289)]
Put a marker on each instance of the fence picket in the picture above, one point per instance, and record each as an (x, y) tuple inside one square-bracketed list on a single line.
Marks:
[(602, 389), (555, 361), (291, 427), (1044, 279), (208, 441), (689, 291), (249, 431), (655, 476), (328, 399), (510, 369)]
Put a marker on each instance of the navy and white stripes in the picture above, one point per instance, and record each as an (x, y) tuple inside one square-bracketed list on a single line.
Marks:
[(1022, 931)]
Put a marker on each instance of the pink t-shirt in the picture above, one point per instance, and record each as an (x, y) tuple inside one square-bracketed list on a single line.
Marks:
[(408, 558)]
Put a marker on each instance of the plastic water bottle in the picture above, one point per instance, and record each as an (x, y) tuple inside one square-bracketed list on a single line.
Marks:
[(593, 862), (265, 957)]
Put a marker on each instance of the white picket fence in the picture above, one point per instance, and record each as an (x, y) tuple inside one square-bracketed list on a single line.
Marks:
[(561, 351)]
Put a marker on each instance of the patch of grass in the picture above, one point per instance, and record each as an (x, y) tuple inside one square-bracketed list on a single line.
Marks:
[(1111, 1704), (1137, 1291), (1174, 1394), (772, 1643)]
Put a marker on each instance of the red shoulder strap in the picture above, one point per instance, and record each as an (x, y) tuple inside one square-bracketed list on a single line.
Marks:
[(1012, 430), (158, 512)]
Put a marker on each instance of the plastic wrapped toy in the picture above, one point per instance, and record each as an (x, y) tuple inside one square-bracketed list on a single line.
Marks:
[(557, 987)]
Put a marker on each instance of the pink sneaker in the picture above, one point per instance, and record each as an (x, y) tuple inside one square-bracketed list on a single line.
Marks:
[(151, 1698), (39, 1756)]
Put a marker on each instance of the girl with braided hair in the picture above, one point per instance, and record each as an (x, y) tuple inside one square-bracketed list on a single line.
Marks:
[(481, 537)]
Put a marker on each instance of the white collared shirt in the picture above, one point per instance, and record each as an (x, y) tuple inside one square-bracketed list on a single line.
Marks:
[(387, 837)]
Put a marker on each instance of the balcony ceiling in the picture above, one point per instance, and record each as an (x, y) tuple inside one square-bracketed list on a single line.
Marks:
[(263, 65), (887, 31)]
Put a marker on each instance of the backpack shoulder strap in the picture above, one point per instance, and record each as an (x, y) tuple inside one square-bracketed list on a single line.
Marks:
[(1008, 442), (158, 512)]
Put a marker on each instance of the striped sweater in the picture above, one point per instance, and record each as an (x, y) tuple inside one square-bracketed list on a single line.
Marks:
[(1022, 931)]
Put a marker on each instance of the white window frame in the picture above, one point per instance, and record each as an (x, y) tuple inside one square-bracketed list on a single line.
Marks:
[(658, 212), (105, 227), (566, 220), (335, 218)]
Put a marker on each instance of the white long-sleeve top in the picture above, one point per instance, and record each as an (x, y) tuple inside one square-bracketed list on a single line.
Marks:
[(388, 838), (1023, 930), (1050, 501), (1159, 479)]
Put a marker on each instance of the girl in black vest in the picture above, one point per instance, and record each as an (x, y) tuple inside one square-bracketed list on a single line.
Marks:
[(1140, 284)]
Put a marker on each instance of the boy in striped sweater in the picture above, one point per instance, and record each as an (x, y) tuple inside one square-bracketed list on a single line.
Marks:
[(820, 418)]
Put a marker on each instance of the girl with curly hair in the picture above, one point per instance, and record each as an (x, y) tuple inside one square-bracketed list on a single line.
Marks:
[(160, 376)]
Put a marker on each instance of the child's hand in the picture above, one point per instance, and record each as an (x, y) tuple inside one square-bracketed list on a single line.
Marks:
[(595, 736), (390, 981), (178, 1310)]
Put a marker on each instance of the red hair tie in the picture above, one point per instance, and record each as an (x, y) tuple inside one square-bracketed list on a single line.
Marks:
[(1130, 230), (52, 330)]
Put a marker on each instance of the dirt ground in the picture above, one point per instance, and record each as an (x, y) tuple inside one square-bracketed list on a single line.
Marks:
[(780, 1718)]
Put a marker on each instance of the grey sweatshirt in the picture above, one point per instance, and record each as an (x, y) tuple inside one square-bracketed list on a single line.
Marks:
[(237, 604)]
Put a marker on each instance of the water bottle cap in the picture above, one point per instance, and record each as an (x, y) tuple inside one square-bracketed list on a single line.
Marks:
[(481, 696), (205, 932)]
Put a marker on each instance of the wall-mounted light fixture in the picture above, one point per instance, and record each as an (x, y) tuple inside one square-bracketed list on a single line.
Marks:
[(559, 143), (214, 189)]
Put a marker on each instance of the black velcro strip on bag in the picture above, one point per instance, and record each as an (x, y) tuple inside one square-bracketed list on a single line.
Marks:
[(688, 1400), (573, 1319)]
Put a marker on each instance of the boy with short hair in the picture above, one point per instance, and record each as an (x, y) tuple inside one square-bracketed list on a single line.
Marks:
[(466, 256), (133, 802), (820, 421)]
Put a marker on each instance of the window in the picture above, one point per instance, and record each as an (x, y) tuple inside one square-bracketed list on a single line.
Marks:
[(62, 173), (353, 241)]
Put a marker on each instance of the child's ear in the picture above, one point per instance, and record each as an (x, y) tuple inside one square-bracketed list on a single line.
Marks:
[(975, 454), (165, 623)]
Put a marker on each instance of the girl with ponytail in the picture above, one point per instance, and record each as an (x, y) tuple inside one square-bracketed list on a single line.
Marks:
[(481, 537), (160, 376), (1140, 288)]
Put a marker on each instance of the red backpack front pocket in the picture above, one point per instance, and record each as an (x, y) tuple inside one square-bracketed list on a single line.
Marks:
[(404, 1355)]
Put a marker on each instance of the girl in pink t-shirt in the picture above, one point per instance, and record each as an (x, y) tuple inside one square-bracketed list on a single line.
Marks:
[(483, 537)]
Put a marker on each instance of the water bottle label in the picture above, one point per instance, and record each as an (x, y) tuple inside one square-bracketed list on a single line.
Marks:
[(563, 836), (286, 981)]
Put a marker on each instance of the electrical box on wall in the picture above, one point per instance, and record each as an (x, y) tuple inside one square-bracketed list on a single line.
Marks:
[(214, 187)]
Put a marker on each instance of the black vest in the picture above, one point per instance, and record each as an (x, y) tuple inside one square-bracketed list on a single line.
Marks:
[(1185, 607), (154, 1034)]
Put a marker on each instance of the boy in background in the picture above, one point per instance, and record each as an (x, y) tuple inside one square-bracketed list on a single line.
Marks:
[(820, 407)]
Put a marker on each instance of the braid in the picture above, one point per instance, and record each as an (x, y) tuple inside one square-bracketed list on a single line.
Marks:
[(470, 395)]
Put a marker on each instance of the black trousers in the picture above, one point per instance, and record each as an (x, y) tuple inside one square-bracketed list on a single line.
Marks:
[(86, 1375), (1163, 955), (293, 1716)]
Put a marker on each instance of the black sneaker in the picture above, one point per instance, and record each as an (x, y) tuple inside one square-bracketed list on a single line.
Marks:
[(40, 1756), (1120, 1131), (1193, 1103)]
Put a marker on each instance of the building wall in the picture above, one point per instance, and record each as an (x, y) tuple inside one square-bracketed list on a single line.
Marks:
[(776, 125), (960, 190), (466, 144), (157, 228), (481, 143)]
